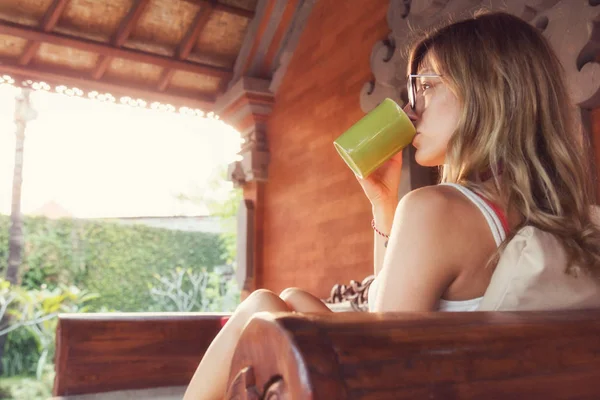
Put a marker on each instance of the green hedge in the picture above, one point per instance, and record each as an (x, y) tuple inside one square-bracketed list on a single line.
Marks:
[(116, 261), (21, 353)]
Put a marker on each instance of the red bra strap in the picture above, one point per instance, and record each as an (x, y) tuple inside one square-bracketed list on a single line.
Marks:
[(499, 213)]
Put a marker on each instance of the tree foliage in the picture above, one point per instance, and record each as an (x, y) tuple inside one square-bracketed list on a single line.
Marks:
[(222, 200), (116, 261)]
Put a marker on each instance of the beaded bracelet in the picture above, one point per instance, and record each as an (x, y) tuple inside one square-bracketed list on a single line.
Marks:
[(377, 230)]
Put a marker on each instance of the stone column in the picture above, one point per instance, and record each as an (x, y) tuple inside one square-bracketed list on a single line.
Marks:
[(246, 106)]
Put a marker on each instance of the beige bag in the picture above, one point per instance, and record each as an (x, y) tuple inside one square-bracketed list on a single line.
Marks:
[(530, 275)]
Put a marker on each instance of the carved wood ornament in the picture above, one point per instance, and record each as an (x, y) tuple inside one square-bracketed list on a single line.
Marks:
[(246, 106), (571, 26)]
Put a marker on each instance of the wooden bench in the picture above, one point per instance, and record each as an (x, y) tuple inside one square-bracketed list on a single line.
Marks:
[(122, 351), (550, 355), (480, 355)]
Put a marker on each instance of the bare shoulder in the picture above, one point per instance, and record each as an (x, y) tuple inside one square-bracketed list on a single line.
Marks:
[(427, 247), (446, 219), (437, 203)]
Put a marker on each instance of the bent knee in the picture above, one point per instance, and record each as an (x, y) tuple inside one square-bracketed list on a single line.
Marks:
[(290, 292), (260, 294), (263, 300)]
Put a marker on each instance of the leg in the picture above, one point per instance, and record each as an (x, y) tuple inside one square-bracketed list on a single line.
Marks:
[(210, 379), (302, 301)]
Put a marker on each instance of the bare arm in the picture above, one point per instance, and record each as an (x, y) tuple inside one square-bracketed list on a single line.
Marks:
[(418, 265), (381, 188), (384, 217)]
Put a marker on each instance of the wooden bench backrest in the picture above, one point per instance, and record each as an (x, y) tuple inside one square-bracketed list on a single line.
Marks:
[(423, 355)]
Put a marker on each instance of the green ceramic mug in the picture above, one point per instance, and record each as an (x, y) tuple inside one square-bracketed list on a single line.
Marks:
[(375, 138)]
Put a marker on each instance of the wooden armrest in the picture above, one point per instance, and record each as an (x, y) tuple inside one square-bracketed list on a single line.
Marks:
[(120, 351), (419, 355)]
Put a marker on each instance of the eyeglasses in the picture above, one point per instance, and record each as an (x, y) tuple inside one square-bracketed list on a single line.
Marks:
[(413, 87)]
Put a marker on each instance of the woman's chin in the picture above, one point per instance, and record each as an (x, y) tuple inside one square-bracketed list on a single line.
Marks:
[(425, 161)]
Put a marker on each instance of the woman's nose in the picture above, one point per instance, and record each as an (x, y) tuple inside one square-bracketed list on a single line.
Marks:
[(410, 112)]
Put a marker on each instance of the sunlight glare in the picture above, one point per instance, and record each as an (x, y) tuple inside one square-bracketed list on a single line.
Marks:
[(99, 159)]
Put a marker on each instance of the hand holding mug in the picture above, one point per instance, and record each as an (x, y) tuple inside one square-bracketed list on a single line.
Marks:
[(372, 148), (381, 186)]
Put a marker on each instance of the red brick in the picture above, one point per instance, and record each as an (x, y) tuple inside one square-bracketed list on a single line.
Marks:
[(317, 221)]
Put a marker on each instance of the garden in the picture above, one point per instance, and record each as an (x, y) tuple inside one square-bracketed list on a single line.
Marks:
[(74, 265)]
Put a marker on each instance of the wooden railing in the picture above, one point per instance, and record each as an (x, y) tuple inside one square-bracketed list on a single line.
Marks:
[(116, 351)]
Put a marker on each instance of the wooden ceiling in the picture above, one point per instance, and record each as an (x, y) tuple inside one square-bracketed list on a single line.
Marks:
[(179, 53)]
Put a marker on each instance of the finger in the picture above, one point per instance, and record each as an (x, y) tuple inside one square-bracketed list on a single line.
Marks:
[(397, 157)]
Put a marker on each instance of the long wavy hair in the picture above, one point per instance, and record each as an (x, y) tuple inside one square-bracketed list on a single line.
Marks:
[(519, 123)]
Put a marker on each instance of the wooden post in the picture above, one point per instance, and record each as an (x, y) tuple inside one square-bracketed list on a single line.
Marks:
[(246, 106)]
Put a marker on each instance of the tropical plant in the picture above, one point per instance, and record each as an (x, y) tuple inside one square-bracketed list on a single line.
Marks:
[(41, 306), (35, 310), (189, 290), (21, 354), (23, 114)]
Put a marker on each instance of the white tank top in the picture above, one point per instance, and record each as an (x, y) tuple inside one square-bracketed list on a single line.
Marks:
[(499, 235)]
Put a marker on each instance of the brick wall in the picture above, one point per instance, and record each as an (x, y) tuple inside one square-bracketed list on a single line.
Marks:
[(317, 220)]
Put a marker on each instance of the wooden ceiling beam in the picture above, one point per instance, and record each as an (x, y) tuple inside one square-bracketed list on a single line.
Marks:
[(119, 39), (53, 15), (10, 29), (189, 41), (129, 22), (165, 78), (242, 12), (48, 23), (116, 88), (187, 44)]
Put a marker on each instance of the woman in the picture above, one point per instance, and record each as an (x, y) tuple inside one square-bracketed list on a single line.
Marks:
[(489, 102)]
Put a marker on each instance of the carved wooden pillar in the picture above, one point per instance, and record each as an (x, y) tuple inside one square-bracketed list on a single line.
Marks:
[(246, 106), (570, 26)]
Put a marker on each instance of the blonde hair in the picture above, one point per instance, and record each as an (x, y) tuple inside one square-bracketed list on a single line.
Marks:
[(519, 122)]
